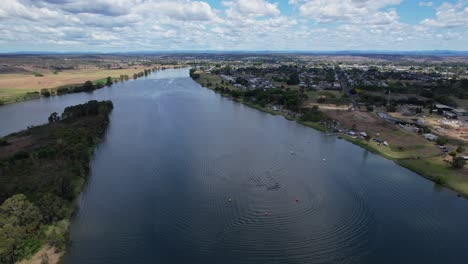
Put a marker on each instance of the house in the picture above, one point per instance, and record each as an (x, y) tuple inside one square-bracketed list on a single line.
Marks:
[(430, 137), (460, 112), (441, 107)]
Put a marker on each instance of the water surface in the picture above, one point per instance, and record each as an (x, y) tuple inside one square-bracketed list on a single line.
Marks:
[(175, 153)]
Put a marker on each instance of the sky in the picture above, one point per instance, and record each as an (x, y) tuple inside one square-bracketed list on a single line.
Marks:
[(231, 25)]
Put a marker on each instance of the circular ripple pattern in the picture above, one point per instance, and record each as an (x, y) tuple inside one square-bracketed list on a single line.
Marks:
[(251, 210)]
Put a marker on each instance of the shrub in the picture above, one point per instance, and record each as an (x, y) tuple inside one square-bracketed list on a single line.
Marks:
[(460, 149), (4, 142), (440, 180), (21, 155), (441, 141), (45, 92), (312, 115), (458, 162)]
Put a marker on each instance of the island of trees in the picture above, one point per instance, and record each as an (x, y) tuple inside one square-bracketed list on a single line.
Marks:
[(42, 170)]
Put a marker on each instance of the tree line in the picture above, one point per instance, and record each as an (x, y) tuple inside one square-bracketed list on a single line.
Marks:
[(38, 184)]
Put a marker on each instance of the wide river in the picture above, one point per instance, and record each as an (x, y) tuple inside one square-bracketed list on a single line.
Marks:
[(187, 176)]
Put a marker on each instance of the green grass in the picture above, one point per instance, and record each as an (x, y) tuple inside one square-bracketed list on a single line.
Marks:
[(10, 95)]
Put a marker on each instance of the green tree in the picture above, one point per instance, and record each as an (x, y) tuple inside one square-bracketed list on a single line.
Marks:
[(54, 117), (88, 86), (109, 81), (458, 162), (293, 79), (441, 141), (45, 92), (460, 149)]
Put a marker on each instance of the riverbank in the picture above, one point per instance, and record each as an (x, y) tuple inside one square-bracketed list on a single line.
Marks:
[(70, 82), (42, 172), (424, 158)]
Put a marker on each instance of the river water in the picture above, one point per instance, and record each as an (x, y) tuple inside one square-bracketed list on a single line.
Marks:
[(187, 176)]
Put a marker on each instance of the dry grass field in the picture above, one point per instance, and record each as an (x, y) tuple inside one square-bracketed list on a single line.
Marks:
[(12, 82)]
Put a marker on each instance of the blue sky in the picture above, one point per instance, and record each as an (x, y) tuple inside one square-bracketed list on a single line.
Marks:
[(139, 25)]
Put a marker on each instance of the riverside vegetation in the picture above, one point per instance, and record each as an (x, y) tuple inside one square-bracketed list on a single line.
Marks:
[(291, 101), (42, 171)]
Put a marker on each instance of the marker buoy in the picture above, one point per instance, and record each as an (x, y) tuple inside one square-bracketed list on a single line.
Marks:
[(297, 200), (230, 200)]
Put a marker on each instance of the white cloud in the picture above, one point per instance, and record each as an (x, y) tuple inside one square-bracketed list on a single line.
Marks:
[(252, 7), (116, 25), (427, 4), (449, 16), (325, 11)]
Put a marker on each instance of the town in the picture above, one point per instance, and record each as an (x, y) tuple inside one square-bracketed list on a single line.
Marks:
[(409, 109)]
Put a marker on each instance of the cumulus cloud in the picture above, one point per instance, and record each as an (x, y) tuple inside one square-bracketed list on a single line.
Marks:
[(325, 11), (253, 7), (449, 16), (116, 25)]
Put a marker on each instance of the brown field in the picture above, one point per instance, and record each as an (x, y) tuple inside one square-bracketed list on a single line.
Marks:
[(403, 143), (28, 82)]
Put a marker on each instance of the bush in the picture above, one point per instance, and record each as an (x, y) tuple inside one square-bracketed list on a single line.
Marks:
[(460, 149), (21, 155), (312, 115), (4, 142), (45, 92), (458, 162), (441, 141), (440, 180)]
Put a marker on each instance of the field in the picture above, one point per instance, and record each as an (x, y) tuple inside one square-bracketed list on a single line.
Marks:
[(14, 86), (22, 77)]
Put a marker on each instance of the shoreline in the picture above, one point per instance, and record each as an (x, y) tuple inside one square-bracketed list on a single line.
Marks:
[(405, 163), (49, 192), (32, 94)]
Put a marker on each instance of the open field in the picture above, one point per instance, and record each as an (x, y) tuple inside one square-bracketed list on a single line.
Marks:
[(403, 143), (15, 86)]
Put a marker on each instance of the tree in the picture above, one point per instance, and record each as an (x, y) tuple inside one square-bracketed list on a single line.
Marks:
[(293, 79), (54, 117), (45, 92), (88, 86), (18, 211), (458, 162), (441, 141), (460, 149), (109, 81)]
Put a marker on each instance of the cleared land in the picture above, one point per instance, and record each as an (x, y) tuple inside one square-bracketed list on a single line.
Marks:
[(20, 86)]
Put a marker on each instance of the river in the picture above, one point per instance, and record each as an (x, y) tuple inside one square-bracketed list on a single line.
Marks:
[(187, 176)]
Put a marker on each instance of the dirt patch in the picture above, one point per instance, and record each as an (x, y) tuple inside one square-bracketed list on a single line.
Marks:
[(47, 254), (403, 143), (16, 144)]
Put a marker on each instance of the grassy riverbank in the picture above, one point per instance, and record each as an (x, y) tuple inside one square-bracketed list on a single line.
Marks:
[(418, 155), (42, 171)]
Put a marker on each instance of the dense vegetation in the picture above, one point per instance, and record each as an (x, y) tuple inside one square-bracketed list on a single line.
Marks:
[(290, 99), (42, 170)]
